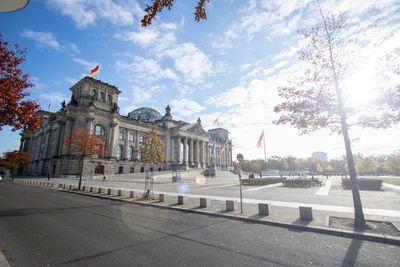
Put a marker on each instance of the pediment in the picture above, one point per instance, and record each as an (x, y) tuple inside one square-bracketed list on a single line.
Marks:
[(194, 128)]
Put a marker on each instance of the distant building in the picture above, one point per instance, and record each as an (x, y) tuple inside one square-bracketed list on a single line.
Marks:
[(94, 105), (322, 156)]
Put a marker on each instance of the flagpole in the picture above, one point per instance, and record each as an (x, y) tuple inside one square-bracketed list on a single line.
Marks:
[(98, 73), (265, 152)]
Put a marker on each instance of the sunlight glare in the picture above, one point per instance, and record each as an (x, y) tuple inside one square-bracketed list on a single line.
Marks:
[(359, 89)]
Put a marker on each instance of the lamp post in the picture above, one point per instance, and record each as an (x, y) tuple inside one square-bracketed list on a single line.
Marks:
[(240, 158)]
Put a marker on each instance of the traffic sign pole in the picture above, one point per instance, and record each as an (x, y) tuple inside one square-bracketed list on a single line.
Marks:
[(239, 157)]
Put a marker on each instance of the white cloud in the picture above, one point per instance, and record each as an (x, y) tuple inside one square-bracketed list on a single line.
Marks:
[(144, 71), (48, 40), (42, 39), (86, 13), (145, 37), (190, 61), (54, 97), (88, 65), (186, 109)]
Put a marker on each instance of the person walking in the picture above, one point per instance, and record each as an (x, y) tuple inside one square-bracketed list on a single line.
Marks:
[(104, 177)]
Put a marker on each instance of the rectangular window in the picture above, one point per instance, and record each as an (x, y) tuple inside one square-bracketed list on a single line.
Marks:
[(121, 136), (131, 137)]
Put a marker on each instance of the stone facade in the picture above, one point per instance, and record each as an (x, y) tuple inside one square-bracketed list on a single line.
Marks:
[(94, 105)]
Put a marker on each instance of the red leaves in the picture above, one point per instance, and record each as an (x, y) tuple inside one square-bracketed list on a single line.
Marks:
[(13, 85), (84, 143)]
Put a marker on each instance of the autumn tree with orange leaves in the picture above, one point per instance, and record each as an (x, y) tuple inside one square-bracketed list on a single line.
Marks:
[(13, 158), (84, 143), (158, 6), (15, 110)]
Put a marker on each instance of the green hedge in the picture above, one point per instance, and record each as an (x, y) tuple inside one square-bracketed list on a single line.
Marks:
[(363, 184)]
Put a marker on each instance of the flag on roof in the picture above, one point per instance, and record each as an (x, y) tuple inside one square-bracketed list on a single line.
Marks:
[(260, 139), (215, 121), (94, 71)]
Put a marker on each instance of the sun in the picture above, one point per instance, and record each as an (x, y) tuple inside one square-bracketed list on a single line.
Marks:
[(359, 88)]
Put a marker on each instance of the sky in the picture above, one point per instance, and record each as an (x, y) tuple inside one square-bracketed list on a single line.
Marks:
[(227, 67)]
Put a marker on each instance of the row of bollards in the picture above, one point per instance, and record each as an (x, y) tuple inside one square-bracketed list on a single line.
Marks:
[(263, 208)]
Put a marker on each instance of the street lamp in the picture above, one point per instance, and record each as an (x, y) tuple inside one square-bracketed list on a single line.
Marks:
[(13, 5), (240, 158)]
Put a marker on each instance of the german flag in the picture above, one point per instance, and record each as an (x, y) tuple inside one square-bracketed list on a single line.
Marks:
[(260, 139), (94, 71)]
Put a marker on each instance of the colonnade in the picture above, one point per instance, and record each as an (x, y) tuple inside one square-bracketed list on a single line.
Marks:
[(191, 152)]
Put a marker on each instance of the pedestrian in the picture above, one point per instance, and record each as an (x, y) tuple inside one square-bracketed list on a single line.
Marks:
[(48, 177), (104, 177)]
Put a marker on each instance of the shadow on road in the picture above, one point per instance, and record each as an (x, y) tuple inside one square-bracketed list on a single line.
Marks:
[(352, 253), (33, 211)]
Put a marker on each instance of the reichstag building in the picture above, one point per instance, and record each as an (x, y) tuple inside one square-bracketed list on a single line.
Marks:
[(94, 104)]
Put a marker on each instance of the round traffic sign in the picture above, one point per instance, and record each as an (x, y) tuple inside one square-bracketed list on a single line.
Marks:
[(239, 157)]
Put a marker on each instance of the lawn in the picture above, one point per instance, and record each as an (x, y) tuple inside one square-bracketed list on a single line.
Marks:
[(392, 181)]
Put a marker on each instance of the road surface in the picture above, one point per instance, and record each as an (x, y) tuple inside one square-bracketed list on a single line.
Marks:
[(41, 227)]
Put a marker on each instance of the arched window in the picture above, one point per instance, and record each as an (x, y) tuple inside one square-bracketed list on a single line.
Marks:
[(93, 92), (118, 152), (99, 130), (109, 98), (130, 153), (102, 96)]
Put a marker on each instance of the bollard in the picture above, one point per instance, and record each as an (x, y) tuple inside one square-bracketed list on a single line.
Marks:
[(70, 187), (203, 202), (99, 190), (161, 197), (119, 192), (83, 187), (182, 200), (306, 213), (263, 209), (91, 189), (108, 191), (230, 205), (130, 194)]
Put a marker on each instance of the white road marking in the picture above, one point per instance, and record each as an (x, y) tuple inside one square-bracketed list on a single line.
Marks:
[(3, 261), (324, 190), (218, 186), (263, 187)]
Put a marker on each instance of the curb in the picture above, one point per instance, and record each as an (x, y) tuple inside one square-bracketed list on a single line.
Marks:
[(314, 229), (379, 238)]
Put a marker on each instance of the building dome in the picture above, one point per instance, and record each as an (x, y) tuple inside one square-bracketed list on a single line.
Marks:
[(145, 115)]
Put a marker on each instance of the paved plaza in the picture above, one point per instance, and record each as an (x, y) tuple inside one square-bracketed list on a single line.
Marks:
[(330, 199)]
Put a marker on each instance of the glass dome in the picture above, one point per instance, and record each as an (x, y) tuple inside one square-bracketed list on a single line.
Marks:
[(145, 115)]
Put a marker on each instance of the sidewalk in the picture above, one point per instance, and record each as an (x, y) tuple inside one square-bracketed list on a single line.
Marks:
[(283, 214)]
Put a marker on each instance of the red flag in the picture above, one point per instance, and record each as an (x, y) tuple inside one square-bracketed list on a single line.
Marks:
[(260, 139), (215, 121), (94, 71)]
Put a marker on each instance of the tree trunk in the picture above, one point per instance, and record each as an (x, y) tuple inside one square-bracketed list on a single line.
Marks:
[(359, 220), (80, 175)]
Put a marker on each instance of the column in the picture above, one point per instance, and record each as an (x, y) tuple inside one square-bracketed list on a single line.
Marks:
[(197, 154), (178, 145), (185, 152), (201, 146), (112, 134), (125, 156), (172, 150), (191, 152)]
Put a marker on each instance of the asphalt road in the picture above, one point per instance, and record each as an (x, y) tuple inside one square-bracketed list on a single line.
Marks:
[(40, 227)]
